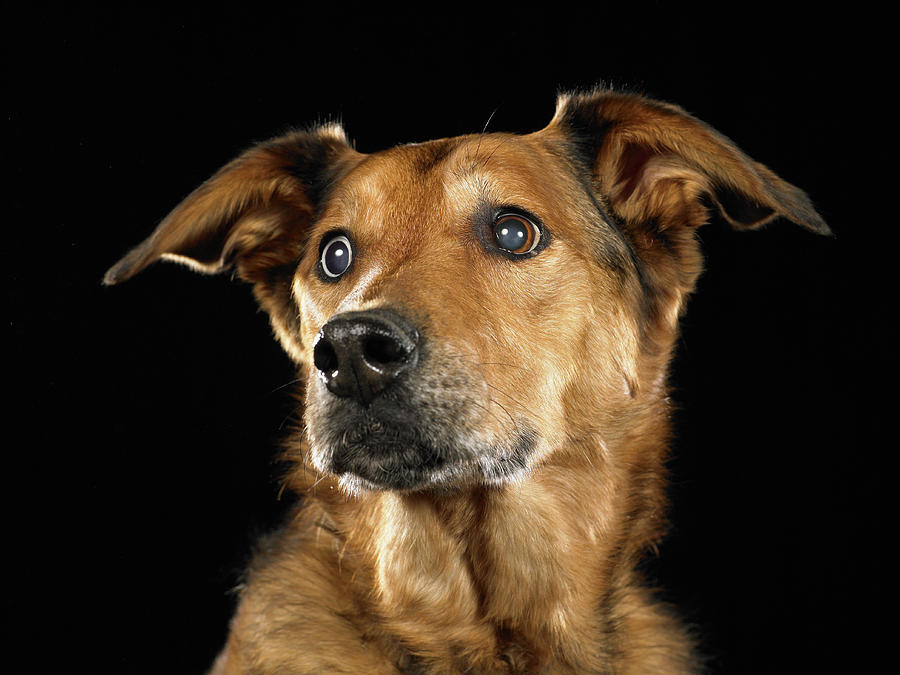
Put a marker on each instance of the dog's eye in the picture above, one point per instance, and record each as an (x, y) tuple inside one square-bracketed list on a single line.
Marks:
[(337, 253), (516, 234)]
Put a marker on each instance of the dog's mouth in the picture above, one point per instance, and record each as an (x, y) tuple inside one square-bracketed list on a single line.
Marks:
[(395, 445), (388, 463), (408, 460), (389, 455)]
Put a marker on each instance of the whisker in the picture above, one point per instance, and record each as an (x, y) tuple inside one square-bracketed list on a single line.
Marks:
[(503, 408), (491, 412), (490, 117), (518, 403), (286, 418), (497, 147), (322, 477), (286, 384), (484, 130)]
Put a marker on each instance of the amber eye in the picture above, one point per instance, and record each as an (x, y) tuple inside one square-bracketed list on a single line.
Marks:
[(516, 234)]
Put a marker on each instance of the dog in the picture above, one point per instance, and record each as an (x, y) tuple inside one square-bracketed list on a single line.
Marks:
[(483, 326)]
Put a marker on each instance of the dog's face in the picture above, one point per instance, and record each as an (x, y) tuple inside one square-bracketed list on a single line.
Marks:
[(468, 308), (454, 295)]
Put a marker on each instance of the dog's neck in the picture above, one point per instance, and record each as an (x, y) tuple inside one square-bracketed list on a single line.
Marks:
[(501, 570)]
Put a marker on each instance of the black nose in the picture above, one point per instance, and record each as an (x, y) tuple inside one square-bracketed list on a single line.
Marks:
[(359, 354)]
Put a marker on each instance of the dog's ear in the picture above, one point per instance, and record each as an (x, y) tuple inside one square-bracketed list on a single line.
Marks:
[(658, 167), (252, 215)]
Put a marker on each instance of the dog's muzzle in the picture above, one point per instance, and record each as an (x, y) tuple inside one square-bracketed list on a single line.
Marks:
[(369, 419), (360, 354), (389, 410)]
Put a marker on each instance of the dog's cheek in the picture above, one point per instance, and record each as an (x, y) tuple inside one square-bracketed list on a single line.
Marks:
[(316, 411), (591, 364), (546, 306)]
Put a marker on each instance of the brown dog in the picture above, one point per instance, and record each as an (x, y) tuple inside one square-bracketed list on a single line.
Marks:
[(483, 325)]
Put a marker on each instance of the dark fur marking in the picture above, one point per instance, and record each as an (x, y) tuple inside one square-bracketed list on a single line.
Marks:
[(311, 161), (433, 153)]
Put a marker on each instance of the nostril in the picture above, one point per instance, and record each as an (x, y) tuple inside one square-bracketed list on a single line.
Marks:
[(383, 350), (324, 357)]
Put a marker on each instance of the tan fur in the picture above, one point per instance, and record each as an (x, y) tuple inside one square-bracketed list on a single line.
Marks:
[(533, 571)]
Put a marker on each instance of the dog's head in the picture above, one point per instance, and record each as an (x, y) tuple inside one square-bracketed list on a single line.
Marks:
[(466, 307)]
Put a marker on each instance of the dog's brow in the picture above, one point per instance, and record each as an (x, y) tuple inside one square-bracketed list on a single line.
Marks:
[(432, 154), (476, 153), (466, 187)]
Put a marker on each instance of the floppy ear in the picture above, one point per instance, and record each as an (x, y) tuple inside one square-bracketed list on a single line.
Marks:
[(657, 164), (253, 215), (660, 172)]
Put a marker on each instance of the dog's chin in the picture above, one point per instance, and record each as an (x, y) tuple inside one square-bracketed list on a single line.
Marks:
[(388, 465), (414, 466)]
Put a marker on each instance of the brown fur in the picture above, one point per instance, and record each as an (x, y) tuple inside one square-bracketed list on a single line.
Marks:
[(528, 571)]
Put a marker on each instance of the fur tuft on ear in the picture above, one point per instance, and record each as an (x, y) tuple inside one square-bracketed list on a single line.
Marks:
[(253, 214), (657, 165)]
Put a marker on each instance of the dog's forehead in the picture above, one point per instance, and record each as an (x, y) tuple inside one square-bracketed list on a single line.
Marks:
[(458, 173), (442, 185)]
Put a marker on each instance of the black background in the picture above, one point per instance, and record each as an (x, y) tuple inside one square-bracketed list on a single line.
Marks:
[(145, 418)]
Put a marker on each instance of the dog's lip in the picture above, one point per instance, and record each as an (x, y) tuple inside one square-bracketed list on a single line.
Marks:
[(384, 461), (390, 464)]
